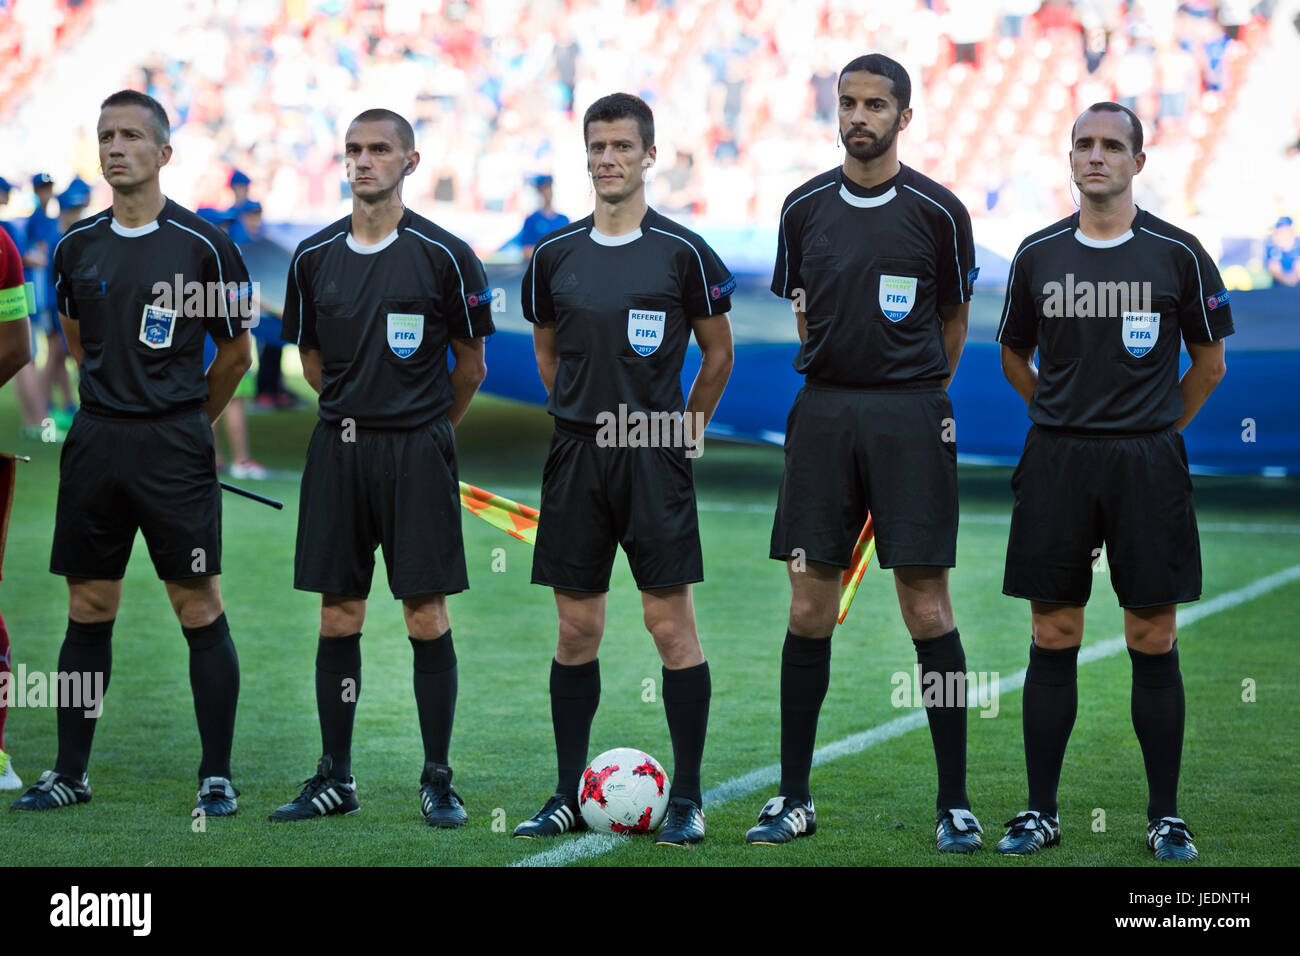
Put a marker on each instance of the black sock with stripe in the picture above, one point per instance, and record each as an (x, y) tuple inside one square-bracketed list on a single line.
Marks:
[(87, 650), (941, 659), (1051, 701), (1159, 711), (805, 677), (686, 706), (338, 685), (436, 682), (575, 694), (214, 680)]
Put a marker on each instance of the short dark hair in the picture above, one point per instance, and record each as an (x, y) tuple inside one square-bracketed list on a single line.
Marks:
[(162, 127), (619, 106), (1135, 135), (891, 70), (405, 134)]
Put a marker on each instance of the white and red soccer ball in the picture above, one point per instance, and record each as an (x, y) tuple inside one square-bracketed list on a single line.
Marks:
[(623, 791)]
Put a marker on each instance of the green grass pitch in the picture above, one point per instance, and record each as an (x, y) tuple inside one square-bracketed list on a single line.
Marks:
[(875, 807)]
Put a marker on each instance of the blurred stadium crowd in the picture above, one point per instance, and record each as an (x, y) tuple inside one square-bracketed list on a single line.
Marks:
[(743, 90)]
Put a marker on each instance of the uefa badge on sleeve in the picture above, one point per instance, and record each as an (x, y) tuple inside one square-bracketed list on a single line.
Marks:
[(645, 330), (157, 327), (1141, 330), (897, 295), (405, 333)]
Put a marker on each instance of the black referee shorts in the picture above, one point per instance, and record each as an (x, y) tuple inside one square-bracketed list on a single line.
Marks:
[(848, 452), (595, 499), (1073, 492), (395, 489), (157, 475)]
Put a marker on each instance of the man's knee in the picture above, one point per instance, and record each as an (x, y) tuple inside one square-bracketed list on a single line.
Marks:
[(340, 617), (91, 602)]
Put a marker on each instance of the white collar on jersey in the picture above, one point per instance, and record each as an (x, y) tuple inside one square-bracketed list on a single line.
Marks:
[(132, 232), (1102, 243), (379, 246), (867, 202), (623, 240)]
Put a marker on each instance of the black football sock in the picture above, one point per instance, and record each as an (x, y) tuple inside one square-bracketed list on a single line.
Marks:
[(436, 682), (686, 705), (87, 650), (338, 686), (214, 679), (1159, 710), (575, 694), (1051, 700), (939, 658), (805, 676)]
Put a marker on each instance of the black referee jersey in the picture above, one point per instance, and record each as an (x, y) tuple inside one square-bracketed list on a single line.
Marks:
[(1106, 315), (141, 328), (622, 307), (382, 317), (873, 267)]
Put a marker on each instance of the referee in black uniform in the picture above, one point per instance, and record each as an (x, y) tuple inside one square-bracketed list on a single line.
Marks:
[(614, 299), (878, 261), (139, 453), (373, 302), (1105, 296)]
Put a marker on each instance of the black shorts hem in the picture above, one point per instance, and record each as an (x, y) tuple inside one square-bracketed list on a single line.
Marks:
[(1043, 600), (87, 577), (320, 589), (422, 593), (565, 587), (189, 576), (777, 556), (913, 564), (1175, 602), (678, 584)]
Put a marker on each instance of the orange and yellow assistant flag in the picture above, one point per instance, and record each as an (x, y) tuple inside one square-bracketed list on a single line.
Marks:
[(518, 521), (862, 552)]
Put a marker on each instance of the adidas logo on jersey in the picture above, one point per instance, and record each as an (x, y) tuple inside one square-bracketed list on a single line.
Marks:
[(570, 281)]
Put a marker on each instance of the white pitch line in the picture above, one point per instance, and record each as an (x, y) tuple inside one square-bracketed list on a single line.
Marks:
[(596, 844)]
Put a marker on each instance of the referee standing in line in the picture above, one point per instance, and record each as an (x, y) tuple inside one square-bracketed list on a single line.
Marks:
[(614, 299), (139, 453), (878, 261), (1105, 296), (373, 302)]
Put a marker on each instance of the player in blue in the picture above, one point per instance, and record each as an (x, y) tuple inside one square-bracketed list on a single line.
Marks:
[(1281, 254), (541, 221)]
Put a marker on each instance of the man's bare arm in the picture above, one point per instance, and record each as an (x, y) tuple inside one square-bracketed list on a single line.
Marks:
[(713, 334), (1018, 367), (234, 358), (1209, 365), (72, 333), (310, 359), (548, 361), (15, 347), (466, 377), (956, 323)]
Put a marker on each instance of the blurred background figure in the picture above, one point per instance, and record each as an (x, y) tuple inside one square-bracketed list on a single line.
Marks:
[(1281, 255), (542, 220), (40, 236), (268, 264), (239, 186)]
